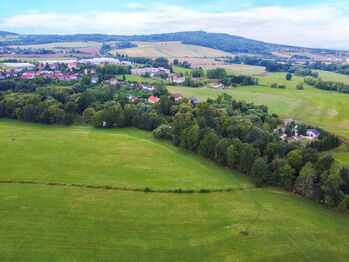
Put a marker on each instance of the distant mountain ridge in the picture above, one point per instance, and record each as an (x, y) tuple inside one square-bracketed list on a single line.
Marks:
[(220, 41)]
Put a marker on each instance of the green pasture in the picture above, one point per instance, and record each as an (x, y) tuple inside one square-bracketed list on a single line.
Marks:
[(326, 109), (46, 222)]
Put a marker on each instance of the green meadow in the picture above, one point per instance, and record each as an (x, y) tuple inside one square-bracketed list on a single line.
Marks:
[(326, 109), (49, 221)]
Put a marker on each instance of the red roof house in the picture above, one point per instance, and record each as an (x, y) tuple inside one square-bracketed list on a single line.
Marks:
[(153, 99)]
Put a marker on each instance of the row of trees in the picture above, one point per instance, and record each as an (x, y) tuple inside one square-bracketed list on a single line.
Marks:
[(327, 85)]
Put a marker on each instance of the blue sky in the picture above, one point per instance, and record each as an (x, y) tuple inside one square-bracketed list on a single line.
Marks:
[(320, 23)]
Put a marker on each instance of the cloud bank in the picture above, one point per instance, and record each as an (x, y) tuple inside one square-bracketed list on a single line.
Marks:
[(318, 26)]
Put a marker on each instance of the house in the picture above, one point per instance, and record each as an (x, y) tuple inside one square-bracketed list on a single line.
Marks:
[(153, 99), (215, 85), (112, 81), (41, 68), (194, 100), (176, 96), (148, 88), (177, 80), (28, 75), (72, 66), (132, 98), (94, 80), (313, 133)]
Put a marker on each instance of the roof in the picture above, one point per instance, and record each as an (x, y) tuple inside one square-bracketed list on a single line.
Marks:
[(194, 99), (153, 99), (316, 132)]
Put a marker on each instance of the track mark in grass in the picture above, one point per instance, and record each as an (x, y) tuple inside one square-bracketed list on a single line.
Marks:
[(115, 188), (286, 235)]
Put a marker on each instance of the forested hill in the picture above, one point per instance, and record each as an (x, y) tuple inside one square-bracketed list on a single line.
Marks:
[(224, 42)]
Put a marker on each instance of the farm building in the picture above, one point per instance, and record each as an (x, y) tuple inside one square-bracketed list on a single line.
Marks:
[(313, 133), (18, 67)]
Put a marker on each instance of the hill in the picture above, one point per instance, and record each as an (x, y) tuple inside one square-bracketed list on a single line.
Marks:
[(61, 205), (224, 42)]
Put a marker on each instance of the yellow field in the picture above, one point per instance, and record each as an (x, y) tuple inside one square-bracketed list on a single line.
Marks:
[(170, 49)]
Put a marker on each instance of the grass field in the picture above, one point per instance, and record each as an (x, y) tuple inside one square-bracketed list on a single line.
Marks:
[(170, 49), (41, 222), (326, 109), (137, 79), (331, 76)]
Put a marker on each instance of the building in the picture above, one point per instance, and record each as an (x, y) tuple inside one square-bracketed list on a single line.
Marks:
[(94, 80), (19, 67), (150, 70), (72, 66), (148, 88), (194, 100), (176, 96), (100, 61), (112, 81), (177, 80), (215, 85), (28, 75), (153, 99), (313, 133)]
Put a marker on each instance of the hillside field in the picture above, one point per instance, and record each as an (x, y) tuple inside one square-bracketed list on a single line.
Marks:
[(326, 109), (53, 220), (169, 49), (60, 45)]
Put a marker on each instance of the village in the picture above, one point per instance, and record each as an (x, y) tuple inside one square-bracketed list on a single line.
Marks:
[(72, 71)]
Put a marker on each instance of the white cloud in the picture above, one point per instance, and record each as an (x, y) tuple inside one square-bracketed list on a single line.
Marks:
[(317, 26), (134, 5)]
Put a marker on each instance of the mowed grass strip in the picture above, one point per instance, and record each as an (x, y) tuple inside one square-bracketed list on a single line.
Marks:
[(126, 158), (45, 223)]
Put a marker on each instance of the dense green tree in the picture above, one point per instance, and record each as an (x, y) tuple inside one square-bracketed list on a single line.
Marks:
[(233, 152), (208, 144), (260, 172), (295, 159), (288, 76), (305, 181)]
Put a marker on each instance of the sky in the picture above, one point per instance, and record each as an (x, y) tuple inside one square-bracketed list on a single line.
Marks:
[(310, 23)]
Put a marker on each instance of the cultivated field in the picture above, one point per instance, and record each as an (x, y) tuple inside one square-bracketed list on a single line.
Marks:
[(51, 219), (170, 49), (61, 45), (326, 109)]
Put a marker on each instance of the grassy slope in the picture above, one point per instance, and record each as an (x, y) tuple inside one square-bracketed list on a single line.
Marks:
[(41, 223), (170, 49), (313, 106), (125, 158)]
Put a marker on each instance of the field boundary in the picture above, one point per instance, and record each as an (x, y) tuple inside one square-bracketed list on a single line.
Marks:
[(116, 188)]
